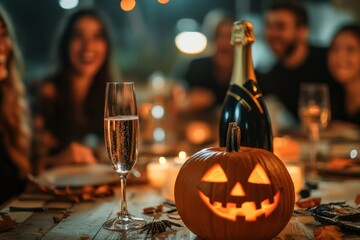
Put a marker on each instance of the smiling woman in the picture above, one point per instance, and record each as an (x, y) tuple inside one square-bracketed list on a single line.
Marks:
[(344, 65), (70, 103)]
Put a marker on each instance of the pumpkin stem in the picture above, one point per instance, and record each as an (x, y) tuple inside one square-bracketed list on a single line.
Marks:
[(233, 138)]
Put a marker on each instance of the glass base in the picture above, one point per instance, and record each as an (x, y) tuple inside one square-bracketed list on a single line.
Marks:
[(123, 223)]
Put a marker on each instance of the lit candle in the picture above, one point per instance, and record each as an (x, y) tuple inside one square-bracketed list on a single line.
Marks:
[(181, 158), (157, 172), (172, 175), (297, 176)]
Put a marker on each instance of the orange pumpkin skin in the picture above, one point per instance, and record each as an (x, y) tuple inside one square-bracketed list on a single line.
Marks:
[(193, 188)]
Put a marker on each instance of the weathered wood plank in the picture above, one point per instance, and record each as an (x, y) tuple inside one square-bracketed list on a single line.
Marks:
[(88, 218), (84, 222), (138, 199), (35, 227)]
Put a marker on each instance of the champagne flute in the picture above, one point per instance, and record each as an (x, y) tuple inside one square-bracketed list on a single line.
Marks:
[(314, 112), (121, 127)]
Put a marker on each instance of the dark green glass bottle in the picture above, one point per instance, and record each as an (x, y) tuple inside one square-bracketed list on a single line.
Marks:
[(243, 103)]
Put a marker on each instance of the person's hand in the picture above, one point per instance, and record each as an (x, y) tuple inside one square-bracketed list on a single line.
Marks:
[(78, 154), (75, 153)]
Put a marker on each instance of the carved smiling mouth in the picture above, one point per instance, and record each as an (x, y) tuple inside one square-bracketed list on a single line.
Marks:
[(247, 209)]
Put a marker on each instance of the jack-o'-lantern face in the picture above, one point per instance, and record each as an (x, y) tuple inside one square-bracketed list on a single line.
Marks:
[(238, 191), (248, 196)]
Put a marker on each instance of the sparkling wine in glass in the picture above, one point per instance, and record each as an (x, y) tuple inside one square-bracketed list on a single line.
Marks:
[(121, 127), (314, 112)]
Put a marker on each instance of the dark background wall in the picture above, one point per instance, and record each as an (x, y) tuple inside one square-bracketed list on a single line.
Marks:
[(144, 38)]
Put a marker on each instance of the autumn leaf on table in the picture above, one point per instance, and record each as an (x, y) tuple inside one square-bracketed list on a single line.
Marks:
[(7, 223), (357, 199), (87, 193), (329, 232), (308, 202)]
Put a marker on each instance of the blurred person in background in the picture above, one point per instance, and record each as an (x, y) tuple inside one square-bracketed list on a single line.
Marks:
[(344, 66), (15, 134), (70, 103), (208, 77), (286, 31)]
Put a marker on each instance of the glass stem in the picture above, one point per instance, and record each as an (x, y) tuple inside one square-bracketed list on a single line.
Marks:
[(123, 209), (314, 137)]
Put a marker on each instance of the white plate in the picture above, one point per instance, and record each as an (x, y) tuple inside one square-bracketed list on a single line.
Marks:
[(78, 176)]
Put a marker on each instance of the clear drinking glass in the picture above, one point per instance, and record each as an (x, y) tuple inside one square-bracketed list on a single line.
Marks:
[(314, 112), (121, 127)]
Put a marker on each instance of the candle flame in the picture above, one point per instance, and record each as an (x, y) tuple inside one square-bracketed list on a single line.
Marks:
[(162, 160), (182, 155)]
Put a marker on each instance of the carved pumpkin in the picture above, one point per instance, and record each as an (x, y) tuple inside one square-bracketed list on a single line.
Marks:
[(227, 193)]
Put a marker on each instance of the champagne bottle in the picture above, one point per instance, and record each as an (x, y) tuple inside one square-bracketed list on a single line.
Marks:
[(243, 103)]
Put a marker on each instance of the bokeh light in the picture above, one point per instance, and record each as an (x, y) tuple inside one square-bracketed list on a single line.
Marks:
[(127, 5), (182, 155), (353, 153), (157, 80), (157, 111), (163, 1), (162, 160), (191, 42), (68, 4), (159, 134)]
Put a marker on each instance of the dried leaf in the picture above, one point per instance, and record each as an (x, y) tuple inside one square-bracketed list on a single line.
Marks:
[(87, 193), (357, 199), (7, 223), (103, 191), (341, 210), (174, 216), (329, 232), (308, 202), (60, 216), (88, 189), (152, 210), (340, 163), (87, 197)]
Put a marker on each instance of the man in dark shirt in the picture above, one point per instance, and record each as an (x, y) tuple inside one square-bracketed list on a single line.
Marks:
[(298, 62), (201, 73), (208, 77)]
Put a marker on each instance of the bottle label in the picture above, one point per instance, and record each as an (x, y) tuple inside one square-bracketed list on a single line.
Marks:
[(244, 105), (247, 95)]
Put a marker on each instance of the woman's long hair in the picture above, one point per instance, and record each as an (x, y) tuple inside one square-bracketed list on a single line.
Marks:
[(64, 70), (353, 28), (14, 112)]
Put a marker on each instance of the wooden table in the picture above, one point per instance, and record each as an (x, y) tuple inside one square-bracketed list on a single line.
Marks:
[(87, 219)]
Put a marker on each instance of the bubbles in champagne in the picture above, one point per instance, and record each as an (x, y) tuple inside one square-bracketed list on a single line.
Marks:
[(121, 140)]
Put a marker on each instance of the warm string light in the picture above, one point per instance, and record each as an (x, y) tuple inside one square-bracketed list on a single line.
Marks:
[(163, 1), (128, 5)]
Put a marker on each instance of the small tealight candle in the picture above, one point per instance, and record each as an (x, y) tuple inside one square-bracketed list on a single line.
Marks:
[(181, 158), (172, 175), (297, 176), (157, 172)]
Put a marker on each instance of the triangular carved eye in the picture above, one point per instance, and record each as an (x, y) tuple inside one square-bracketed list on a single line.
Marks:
[(259, 176), (215, 174)]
